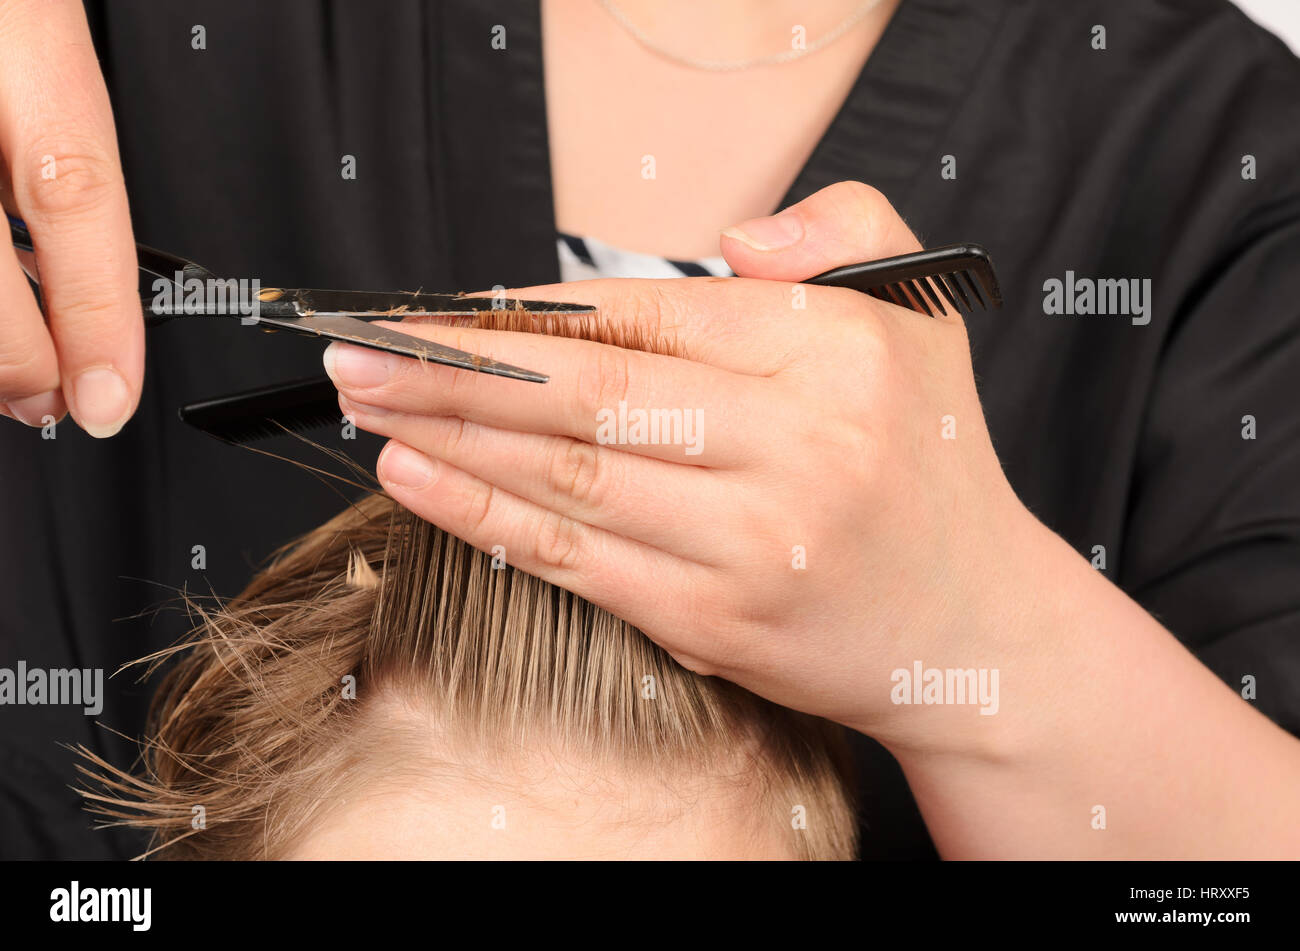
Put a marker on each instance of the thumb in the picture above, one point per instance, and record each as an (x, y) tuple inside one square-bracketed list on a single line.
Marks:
[(844, 223)]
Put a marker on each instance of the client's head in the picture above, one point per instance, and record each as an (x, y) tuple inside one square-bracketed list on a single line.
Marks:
[(383, 690)]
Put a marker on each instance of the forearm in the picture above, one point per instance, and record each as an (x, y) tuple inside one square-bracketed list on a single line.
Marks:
[(1102, 707)]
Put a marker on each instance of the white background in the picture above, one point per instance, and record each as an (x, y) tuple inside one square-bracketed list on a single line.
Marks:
[(1279, 16)]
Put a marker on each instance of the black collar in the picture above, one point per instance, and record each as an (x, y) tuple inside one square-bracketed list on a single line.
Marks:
[(890, 130)]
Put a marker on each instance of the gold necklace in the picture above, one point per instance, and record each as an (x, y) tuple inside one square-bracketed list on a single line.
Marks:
[(722, 66)]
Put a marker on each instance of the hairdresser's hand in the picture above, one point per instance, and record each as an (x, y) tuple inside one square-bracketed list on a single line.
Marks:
[(831, 510), (829, 533), (59, 171)]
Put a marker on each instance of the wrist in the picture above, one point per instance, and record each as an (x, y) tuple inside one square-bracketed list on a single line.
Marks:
[(990, 682)]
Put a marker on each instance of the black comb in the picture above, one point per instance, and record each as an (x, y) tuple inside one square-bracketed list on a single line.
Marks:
[(960, 276), (267, 411)]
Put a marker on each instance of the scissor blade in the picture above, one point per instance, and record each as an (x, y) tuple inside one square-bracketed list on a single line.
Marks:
[(365, 334), (373, 304)]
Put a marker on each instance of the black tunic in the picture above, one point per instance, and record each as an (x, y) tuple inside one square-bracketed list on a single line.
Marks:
[(1117, 163)]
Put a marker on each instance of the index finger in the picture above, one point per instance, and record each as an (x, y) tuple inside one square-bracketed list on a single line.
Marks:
[(745, 326), (56, 132), (645, 403)]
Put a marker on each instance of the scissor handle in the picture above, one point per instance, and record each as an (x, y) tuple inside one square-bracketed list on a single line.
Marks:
[(18, 233), (158, 265), (153, 265)]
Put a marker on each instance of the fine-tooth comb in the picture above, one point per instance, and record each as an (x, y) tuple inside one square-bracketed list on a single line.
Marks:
[(267, 411), (960, 276)]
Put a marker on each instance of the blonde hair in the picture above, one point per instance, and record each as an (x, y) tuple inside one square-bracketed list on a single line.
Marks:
[(258, 722)]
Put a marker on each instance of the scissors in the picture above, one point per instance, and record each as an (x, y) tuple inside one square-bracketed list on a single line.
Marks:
[(172, 287)]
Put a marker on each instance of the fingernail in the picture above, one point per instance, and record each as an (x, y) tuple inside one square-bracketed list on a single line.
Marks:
[(403, 466), (361, 409), (769, 234), (356, 366), (33, 410), (101, 402)]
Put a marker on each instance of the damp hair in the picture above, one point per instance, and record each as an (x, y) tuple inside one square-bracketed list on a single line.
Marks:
[(266, 713)]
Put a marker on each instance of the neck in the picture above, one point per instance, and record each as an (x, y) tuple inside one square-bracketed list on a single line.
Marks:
[(742, 29)]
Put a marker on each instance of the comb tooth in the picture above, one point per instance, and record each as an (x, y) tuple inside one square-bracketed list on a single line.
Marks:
[(975, 288), (920, 298), (881, 292), (930, 293), (899, 298), (900, 295), (255, 429), (952, 278), (895, 296), (969, 293), (988, 281), (913, 296), (941, 281)]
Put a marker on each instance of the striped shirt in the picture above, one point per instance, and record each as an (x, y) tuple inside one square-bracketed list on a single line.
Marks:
[(582, 259)]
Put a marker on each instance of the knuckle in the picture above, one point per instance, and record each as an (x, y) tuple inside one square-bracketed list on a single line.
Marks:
[(98, 318), (751, 600), (659, 308), (604, 381), (576, 472), (866, 199), (859, 444), (25, 374), (871, 336), (646, 310), (865, 350), (478, 507), (28, 366), (725, 637), (694, 664), (68, 175), (852, 443), (456, 391), (557, 542), (456, 438)]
